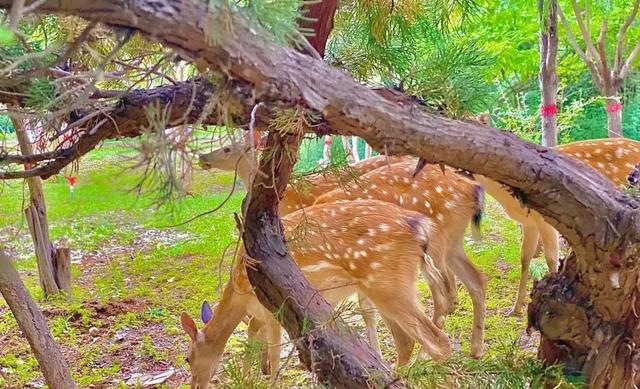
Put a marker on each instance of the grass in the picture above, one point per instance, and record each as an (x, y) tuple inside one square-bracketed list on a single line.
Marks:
[(134, 273)]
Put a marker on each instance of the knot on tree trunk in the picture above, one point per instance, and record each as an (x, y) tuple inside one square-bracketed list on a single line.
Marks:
[(577, 329)]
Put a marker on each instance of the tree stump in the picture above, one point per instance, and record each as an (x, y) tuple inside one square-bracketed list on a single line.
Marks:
[(62, 261)]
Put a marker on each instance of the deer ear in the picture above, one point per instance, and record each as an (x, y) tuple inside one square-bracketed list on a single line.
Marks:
[(189, 326), (205, 312)]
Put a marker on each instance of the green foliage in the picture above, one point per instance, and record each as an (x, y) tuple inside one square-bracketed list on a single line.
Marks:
[(508, 368), (6, 36)]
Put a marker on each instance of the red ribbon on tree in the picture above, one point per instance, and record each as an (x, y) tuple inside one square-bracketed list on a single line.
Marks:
[(549, 110), (71, 180), (614, 107), (328, 140)]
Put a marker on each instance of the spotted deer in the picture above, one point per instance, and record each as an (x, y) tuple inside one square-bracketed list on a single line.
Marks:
[(450, 201), (237, 157), (613, 158), (339, 255)]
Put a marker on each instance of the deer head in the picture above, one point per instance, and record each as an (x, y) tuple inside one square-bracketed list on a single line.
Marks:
[(232, 157), (200, 355)]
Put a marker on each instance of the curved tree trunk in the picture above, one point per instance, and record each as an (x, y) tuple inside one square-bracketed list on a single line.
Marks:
[(326, 346), (34, 326)]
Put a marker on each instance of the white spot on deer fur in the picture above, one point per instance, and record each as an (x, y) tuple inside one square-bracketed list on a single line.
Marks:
[(374, 186), (438, 189), (372, 232), (401, 200), (613, 168), (427, 204), (440, 217), (370, 278), (450, 188), (414, 200), (588, 155), (375, 265), (608, 143), (384, 192), (635, 149), (327, 255), (406, 180), (629, 165), (360, 241), (349, 250), (597, 151), (384, 227), (614, 277), (619, 152), (352, 265), (369, 197), (608, 157), (577, 155), (600, 165)]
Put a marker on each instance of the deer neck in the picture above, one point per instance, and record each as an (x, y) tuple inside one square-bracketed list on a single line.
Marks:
[(246, 169), (229, 312)]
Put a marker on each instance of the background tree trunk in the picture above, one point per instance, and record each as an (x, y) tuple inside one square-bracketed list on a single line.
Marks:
[(326, 346), (36, 214), (614, 117), (34, 326), (548, 75)]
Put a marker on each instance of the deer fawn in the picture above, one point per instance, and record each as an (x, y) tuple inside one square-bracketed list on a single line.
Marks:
[(450, 201), (237, 157), (366, 246), (613, 158)]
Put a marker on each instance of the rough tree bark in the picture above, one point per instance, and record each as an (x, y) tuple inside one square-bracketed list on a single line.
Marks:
[(606, 77), (324, 343), (548, 11), (36, 213), (34, 326), (601, 223)]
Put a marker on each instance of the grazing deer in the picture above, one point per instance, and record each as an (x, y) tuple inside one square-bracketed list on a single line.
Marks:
[(237, 157), (450, 201), (613, 158), (366, 246)]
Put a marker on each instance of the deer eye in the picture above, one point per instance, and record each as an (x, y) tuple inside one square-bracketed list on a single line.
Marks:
[(187, 359), (226, 149)]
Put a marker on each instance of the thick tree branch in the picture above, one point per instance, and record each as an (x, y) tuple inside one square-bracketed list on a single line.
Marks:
[(283, 76), (185, 102)]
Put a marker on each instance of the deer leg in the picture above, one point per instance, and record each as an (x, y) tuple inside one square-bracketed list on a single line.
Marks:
[(255, 333), (437, 284), (400, 304), (369, 317), (476, 283), (404, 343), (274, 337), (550, 242), (530, 235)]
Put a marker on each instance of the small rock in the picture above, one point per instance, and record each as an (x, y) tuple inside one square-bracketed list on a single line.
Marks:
[(148, 379), (93, 331), (121, 334)]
